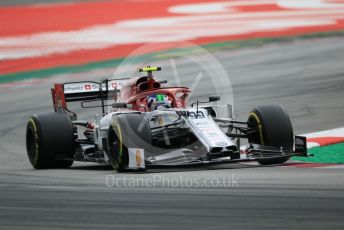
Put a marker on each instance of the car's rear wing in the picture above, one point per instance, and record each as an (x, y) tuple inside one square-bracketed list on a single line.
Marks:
[(84, 91)]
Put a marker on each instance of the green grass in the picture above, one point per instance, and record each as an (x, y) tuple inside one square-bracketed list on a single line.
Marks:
[(325, 154), (44, 73)]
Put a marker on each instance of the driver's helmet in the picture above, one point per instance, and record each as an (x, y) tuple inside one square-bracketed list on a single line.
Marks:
[(158, 101)]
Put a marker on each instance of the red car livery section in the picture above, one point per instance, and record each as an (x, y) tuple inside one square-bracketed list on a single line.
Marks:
[(54, 35)]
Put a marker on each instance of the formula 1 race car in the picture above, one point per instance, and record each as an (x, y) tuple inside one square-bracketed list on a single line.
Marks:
[(150, 125)]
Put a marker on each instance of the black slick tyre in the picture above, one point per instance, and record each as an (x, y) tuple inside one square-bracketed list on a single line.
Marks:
[(129, 130), (50, 141), (272, 127)]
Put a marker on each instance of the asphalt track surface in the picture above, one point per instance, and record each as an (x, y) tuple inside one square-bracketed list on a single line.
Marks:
[(306, 76)]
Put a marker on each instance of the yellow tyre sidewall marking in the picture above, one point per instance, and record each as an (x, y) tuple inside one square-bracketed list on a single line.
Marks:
[(260, 127), (36, 140), (116, 126)]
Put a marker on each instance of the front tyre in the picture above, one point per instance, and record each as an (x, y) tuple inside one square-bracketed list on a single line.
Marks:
[(272, 127), (50, 140), (118, 151), (129, 130)]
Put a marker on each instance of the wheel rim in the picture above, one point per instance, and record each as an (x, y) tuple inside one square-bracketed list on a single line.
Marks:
[(115, 149), (253, 124)]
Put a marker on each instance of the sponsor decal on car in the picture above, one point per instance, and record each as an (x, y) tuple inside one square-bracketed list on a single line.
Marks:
[(80, 87), (88, 87), (196, 114), (136, 158), (210, 132), (73, 88)]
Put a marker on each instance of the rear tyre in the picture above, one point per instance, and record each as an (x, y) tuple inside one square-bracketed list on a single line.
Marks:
[(49, 139), (273, 128)]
